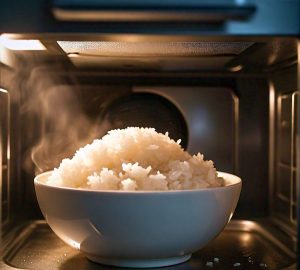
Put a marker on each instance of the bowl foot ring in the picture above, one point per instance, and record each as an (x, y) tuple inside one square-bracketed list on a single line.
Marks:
[(146, 263)]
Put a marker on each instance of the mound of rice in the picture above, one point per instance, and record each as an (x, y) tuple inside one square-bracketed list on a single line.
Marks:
[(135, 159)]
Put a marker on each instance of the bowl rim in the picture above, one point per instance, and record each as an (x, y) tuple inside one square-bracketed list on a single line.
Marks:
[(237, 182)]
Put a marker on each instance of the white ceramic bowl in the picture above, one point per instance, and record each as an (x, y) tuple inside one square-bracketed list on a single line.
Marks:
[(140, 228)]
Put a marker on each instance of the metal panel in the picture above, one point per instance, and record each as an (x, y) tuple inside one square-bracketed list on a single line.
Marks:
[(285, 128), (4, 156), (209, 112), (286, 184), (253, 146), (283, 178), (245, 243)]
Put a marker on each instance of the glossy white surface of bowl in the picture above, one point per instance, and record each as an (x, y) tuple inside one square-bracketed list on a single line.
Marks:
[(138, 228)]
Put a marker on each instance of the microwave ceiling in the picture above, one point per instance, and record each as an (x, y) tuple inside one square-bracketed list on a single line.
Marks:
[(168, 56), (80, 53)]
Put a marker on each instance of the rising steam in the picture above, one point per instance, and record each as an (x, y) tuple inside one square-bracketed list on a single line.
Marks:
[(58, 119)]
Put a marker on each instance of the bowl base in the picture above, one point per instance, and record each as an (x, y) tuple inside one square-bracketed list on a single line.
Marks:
[(146, 263)]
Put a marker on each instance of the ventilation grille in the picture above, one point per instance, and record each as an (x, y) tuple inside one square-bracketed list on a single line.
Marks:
[(161, 49)]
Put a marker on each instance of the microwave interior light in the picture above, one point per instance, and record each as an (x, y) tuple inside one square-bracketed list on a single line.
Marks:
[(21, 44)]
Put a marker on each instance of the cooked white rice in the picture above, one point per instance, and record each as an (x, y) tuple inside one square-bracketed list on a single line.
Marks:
[(135, 159)]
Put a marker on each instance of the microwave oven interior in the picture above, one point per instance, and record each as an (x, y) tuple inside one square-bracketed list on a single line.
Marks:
[(234, 99)]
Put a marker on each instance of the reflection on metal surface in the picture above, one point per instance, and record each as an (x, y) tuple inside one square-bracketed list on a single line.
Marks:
[(272, 114), (286, 182), (243, 242), (3, 91), (4, 156), (247, 225), (246, 237), (75, 245), (236, 68), (236, 106), (73, 55), (152, 11), (293, 209)]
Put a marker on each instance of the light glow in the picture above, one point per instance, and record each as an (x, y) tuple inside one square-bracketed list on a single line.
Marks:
[(236, 68), (73, 55), (246, 238), (21, 44), (240, 2), (75, 244), (248, 225), (3, 91)]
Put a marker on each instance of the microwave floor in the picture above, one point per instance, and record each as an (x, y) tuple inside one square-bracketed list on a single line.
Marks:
[(242, 245)]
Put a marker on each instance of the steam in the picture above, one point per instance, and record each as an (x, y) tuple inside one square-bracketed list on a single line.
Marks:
[(57, 119)]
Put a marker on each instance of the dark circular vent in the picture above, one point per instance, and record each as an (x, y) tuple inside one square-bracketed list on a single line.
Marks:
[(148, 110)]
